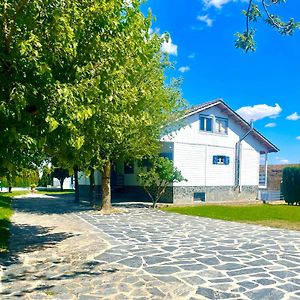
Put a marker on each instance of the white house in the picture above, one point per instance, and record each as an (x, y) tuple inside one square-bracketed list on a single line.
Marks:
[(217, 151)]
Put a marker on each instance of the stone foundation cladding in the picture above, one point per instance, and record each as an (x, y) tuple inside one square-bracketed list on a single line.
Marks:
[(185, 194)]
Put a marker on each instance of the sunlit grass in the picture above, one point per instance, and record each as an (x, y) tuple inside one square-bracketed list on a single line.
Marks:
[(282, 216)]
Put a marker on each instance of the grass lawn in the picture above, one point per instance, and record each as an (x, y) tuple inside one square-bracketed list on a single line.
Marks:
[(56, 192), (282, 216), (5, 214)]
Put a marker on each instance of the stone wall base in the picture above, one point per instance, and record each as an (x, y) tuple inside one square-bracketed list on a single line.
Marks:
[(186, 194)]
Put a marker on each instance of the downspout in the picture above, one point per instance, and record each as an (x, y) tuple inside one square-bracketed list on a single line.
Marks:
[(238, 156)]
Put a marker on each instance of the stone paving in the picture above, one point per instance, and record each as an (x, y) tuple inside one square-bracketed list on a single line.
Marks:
[(215, 259), (62, 251)]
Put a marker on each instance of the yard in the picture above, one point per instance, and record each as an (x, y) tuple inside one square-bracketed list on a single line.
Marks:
[(5, 214), (282, 216)]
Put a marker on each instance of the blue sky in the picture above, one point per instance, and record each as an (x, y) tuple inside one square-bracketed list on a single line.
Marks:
[(264, 85)]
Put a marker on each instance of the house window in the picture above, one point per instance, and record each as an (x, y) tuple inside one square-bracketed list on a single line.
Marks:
[(206, 123), (129, 168), (221, 160), (166, 155), (221, 126)]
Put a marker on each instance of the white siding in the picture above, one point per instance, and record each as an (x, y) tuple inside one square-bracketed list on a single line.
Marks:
[(194, 151), (190, 160), (190, 133), (220, 175), (249, 167)]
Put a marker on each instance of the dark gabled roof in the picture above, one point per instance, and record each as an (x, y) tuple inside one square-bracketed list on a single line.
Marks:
[(231, 113), (205, 105)]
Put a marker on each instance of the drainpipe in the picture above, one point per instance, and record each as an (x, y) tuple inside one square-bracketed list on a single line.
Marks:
[(238, 156)]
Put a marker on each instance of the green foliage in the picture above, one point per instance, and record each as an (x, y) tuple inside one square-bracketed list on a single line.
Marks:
[(5, 214), (82, 82), (156, 178), (46, 178), (291, 185), (21, 178), (245, 40)]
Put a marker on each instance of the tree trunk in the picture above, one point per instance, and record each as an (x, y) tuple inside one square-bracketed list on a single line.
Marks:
[(106, 190), (61, 181), (76, 184), (9, 189), (92, 187)]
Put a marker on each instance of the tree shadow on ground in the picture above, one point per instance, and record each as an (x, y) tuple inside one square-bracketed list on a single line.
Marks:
[(53, 284), (28, 238), (49, 204)]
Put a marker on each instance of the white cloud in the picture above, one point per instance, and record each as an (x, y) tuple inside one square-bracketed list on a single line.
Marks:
[(206, 19), (155, 30), (184, 69), (298, 137), (259, 111), (271, 125), (169, 47), (293, 117), (192, 55), (284, 161), (216, 3)]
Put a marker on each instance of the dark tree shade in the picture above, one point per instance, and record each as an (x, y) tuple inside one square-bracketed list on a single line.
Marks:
[(291, 185), (61, 174)]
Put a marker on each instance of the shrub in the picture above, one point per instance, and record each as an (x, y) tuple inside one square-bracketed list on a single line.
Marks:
[(160, 173), (291, 185)]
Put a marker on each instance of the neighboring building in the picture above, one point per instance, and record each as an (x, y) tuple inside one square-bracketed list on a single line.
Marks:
[(67, 185), (217, 152)]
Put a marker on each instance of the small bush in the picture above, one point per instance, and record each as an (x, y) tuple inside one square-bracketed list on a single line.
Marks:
[(291, 185)]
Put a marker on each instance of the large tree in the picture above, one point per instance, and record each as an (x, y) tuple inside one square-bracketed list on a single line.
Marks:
[(83, 81), (262, 9)]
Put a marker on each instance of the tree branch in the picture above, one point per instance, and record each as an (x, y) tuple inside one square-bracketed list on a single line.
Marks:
[(247, 17), (279, 26)]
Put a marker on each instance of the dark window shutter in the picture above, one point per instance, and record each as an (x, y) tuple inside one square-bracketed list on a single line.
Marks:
[(227, 160), (215, 159)]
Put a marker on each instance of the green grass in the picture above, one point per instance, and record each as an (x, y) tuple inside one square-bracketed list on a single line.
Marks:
[(5, 215), (283, 216), (56, 192)]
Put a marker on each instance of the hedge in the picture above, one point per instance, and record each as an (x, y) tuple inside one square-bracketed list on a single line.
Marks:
[(290, 186)]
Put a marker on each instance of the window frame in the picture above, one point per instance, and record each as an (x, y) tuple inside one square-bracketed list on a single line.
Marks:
[(214, 120), (226, 129), (205, 118)]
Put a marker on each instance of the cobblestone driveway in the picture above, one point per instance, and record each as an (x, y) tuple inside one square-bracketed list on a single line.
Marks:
[(62, 251), (215, 259)]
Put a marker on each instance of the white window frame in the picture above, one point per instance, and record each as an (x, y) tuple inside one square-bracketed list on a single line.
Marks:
[(205, 119), (226, 129)]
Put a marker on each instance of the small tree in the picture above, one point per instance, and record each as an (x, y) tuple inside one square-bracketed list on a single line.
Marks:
[(156, 179), (61, 174)]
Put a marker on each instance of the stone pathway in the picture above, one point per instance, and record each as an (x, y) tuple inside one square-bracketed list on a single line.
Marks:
[(62, 251)]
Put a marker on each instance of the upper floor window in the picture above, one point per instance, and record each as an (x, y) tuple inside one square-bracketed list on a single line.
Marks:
[(166, 155), (206, 123), (221, 126), (213, 124)]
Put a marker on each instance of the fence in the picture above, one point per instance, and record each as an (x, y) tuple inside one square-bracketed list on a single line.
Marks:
[(270, 195)]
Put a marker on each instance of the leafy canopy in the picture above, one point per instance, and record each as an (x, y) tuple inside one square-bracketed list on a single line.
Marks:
[(156, 178)]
